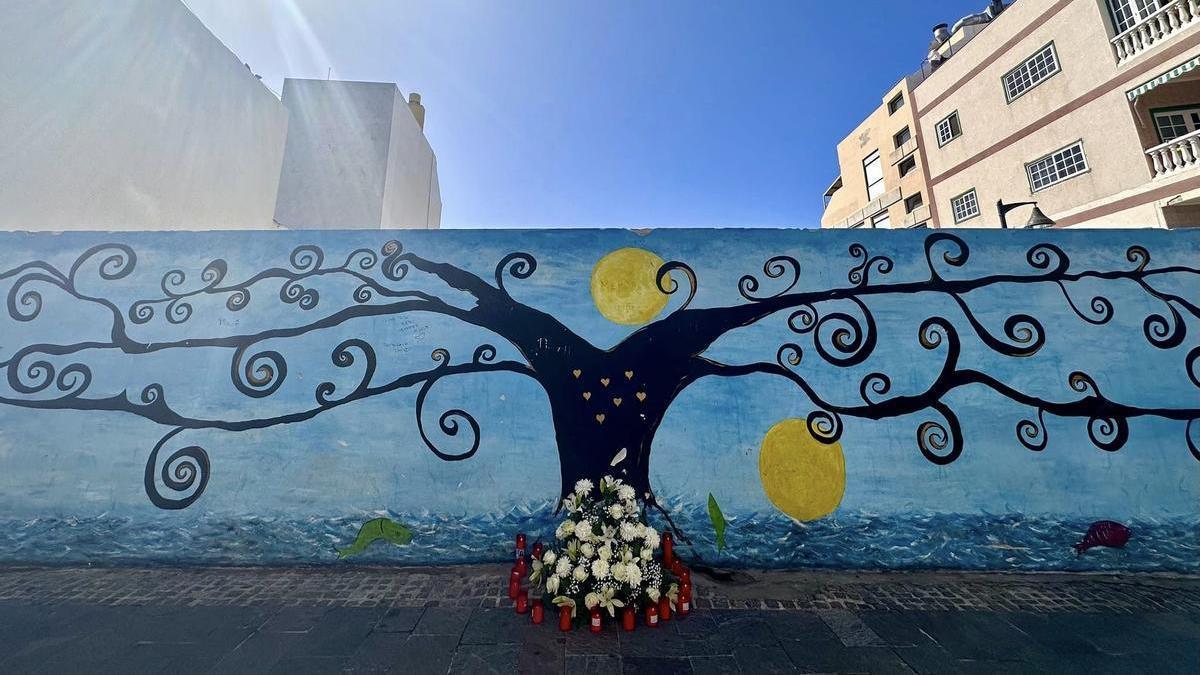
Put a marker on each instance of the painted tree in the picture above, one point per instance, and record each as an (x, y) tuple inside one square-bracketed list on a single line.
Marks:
[(603, 402)]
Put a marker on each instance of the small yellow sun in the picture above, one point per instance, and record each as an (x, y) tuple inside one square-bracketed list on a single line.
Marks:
[(625, 286), (802, 476)]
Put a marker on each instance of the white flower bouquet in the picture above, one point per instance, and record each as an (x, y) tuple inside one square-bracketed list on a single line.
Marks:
[(604, 557)]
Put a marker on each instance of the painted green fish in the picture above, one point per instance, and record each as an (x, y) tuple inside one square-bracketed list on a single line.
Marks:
[(372, 531), (718, 520)]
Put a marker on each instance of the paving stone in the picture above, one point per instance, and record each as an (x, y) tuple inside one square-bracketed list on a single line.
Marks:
[(823, 657), (644, 641), (316, 665), (637, 665), (495, 659), (897, 629), (429, 653), (497, 626), (541, 650), (443, 621), (399, 620), (339, 632), (380, 652), (592, 664), (714, 665), (850, 629), (763, 659), (259, 653), (294, 620), (807, 626), (582, 641)]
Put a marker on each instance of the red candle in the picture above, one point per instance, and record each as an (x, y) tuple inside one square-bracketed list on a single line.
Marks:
[(514, 584), (652, 615), (595, 621), (564, 618), (537, 550), (676, 567), (685, 574), (520, 550), (685, 600), (522, 567), (522, 602), (538, 613), (668, 545), (664, 608), (628, 619)]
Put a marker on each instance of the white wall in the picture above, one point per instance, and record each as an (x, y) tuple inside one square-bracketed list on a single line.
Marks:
[(355, 158), (129, 114)]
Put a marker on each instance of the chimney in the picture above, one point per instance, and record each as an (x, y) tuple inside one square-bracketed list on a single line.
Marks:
[(941, 33), (418, 110)]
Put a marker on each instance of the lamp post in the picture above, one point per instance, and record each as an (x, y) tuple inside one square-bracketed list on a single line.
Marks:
[(1036, 218)]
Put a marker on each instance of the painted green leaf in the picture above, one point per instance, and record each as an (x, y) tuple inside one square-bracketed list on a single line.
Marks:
[(372, 531), (718, 520)]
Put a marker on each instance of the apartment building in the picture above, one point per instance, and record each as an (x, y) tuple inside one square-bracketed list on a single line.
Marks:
[(1089, 108)]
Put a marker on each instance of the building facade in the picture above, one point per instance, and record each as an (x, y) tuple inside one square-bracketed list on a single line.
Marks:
[(1091, 108), (133, 116)]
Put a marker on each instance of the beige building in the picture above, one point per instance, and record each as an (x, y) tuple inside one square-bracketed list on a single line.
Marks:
[(1091, 108)]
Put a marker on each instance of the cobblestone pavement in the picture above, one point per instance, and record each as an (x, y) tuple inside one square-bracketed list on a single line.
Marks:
[(455, 619)]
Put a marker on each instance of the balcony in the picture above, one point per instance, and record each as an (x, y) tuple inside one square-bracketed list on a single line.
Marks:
[(1180, 154), (1156, 27)]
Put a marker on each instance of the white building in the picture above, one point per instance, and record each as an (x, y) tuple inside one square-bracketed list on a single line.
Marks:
[(132, 115)]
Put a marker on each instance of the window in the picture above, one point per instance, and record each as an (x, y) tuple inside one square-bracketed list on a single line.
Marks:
[(1035, 70), (913, 203), (1172, 123), (908, 166), (948, 129), (873, 170), (1128, 13), (904, 136), (896, 104), (965, 206), (881, 220), (1057, 167)]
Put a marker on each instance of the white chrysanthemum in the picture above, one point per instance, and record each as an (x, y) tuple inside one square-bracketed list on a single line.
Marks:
[(549, 558), (552, 584), (626, 493), (605, 552), (580, 573), (591, 600), (652, 538), (583, 486), (635, 575), (563, 568), (588, 551), (647, 554), (629, 531), (616, 512), (584, 530), (600, 569), (618, 571)]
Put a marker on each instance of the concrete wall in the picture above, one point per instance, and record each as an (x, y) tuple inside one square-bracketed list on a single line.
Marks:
[(1086, 100), (132, 117), (280, 388), (355, 158)]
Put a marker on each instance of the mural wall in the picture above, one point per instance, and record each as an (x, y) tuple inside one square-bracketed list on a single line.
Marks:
[(836, 399)]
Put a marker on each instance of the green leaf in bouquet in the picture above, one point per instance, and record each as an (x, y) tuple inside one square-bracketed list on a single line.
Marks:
[(372, 531), (718, 520)]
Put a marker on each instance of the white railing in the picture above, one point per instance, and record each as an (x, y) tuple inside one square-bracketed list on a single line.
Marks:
[(1178, 155), (1154, 28)]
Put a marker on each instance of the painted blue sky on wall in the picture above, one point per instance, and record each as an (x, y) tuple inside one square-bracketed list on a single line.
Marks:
[(367, 455)]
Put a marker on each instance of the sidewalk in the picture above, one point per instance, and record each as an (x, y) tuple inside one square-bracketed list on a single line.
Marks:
[(457, 619)]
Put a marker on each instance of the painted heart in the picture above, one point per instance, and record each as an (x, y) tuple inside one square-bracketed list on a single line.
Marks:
[(617, 401), (587, 395), (600, 418), (577, 372), (641, 396), (629, 374), (604, 381)]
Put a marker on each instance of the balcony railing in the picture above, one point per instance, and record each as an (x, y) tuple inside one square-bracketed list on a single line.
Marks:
[(1154, 28), (1180, 154)]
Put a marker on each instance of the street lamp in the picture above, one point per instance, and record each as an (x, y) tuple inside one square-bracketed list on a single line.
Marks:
[(1037, 219)]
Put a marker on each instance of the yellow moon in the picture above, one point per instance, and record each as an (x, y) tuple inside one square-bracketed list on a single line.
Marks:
[(625, 288), (802, 476)]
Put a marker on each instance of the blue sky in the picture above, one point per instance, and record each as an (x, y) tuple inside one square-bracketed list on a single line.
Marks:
[(613, 113)]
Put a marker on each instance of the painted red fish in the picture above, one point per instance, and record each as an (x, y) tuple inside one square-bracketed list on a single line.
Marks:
[(1103, 533)]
